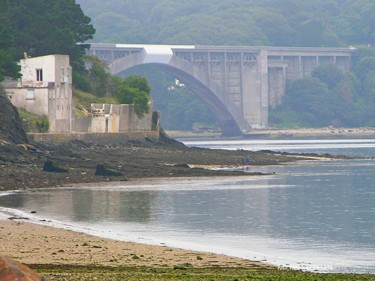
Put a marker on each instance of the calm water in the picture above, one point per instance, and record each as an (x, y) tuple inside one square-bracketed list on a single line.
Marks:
[(351, 147), (314, 215)]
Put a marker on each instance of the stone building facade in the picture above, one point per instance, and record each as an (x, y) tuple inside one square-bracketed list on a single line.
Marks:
[(45, 88)]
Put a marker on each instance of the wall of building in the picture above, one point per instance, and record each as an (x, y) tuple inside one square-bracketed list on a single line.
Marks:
[(45, 88), (34, 100), (60, 100)]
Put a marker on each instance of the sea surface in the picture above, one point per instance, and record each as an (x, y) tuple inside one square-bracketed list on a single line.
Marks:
[(310, 215)]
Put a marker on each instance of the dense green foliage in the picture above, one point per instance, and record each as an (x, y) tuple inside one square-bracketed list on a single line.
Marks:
[(8, 64), (135, 90), (104, 86), (96, 79), (234, 22), (41, 27)]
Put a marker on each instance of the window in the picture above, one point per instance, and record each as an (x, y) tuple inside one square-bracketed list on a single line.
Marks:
[(64, 77), (39, 75)]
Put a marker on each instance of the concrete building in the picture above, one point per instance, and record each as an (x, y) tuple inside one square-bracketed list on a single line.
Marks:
[(45, 89)]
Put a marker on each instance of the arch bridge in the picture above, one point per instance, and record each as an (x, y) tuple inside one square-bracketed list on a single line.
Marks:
[(239, 84)]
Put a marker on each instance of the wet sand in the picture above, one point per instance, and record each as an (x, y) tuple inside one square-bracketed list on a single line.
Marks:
[(39, 244)]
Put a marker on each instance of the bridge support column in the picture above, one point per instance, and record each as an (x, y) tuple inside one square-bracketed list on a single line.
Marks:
[(255, 93), (276, 85)]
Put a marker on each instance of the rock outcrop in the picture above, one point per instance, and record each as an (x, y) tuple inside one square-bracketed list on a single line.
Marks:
[(11, 128), (49, 166), (103, 171), (11, 270)]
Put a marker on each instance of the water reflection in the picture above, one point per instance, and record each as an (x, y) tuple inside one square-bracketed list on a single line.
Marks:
[(313, 206)]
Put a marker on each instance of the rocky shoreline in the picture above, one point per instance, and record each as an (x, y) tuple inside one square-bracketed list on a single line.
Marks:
[(26, 165), (22, 166)]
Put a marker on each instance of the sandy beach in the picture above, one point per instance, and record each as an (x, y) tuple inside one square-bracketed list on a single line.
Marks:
[(32, 243)]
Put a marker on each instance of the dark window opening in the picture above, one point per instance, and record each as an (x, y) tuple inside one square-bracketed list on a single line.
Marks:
[(39, 75)]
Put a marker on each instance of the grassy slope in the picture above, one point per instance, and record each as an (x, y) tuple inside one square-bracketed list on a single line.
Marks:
[(83, 100)]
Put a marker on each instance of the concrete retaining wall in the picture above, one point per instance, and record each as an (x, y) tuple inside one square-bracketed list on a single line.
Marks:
[(99, 138), (113, 118)]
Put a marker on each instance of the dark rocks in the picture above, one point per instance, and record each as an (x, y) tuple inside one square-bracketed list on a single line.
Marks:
[(11, 270), (103, 171), (11, 128), (49, 166)]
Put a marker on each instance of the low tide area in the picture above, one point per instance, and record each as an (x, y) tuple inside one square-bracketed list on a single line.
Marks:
[(313, 216)]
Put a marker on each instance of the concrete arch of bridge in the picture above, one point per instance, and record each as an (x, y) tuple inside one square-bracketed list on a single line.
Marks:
[(226, 121)]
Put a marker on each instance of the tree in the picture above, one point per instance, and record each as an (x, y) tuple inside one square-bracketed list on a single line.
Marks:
[(8, 65), (97, 76), (48, 27), (135, 90), (365, 67), (272, 22), (8, 62), (311, 99), (361, 16), (329, 74)]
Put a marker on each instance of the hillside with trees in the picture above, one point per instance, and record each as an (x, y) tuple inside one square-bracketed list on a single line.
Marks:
[(41, 27), (234, 22), (328, 98)]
